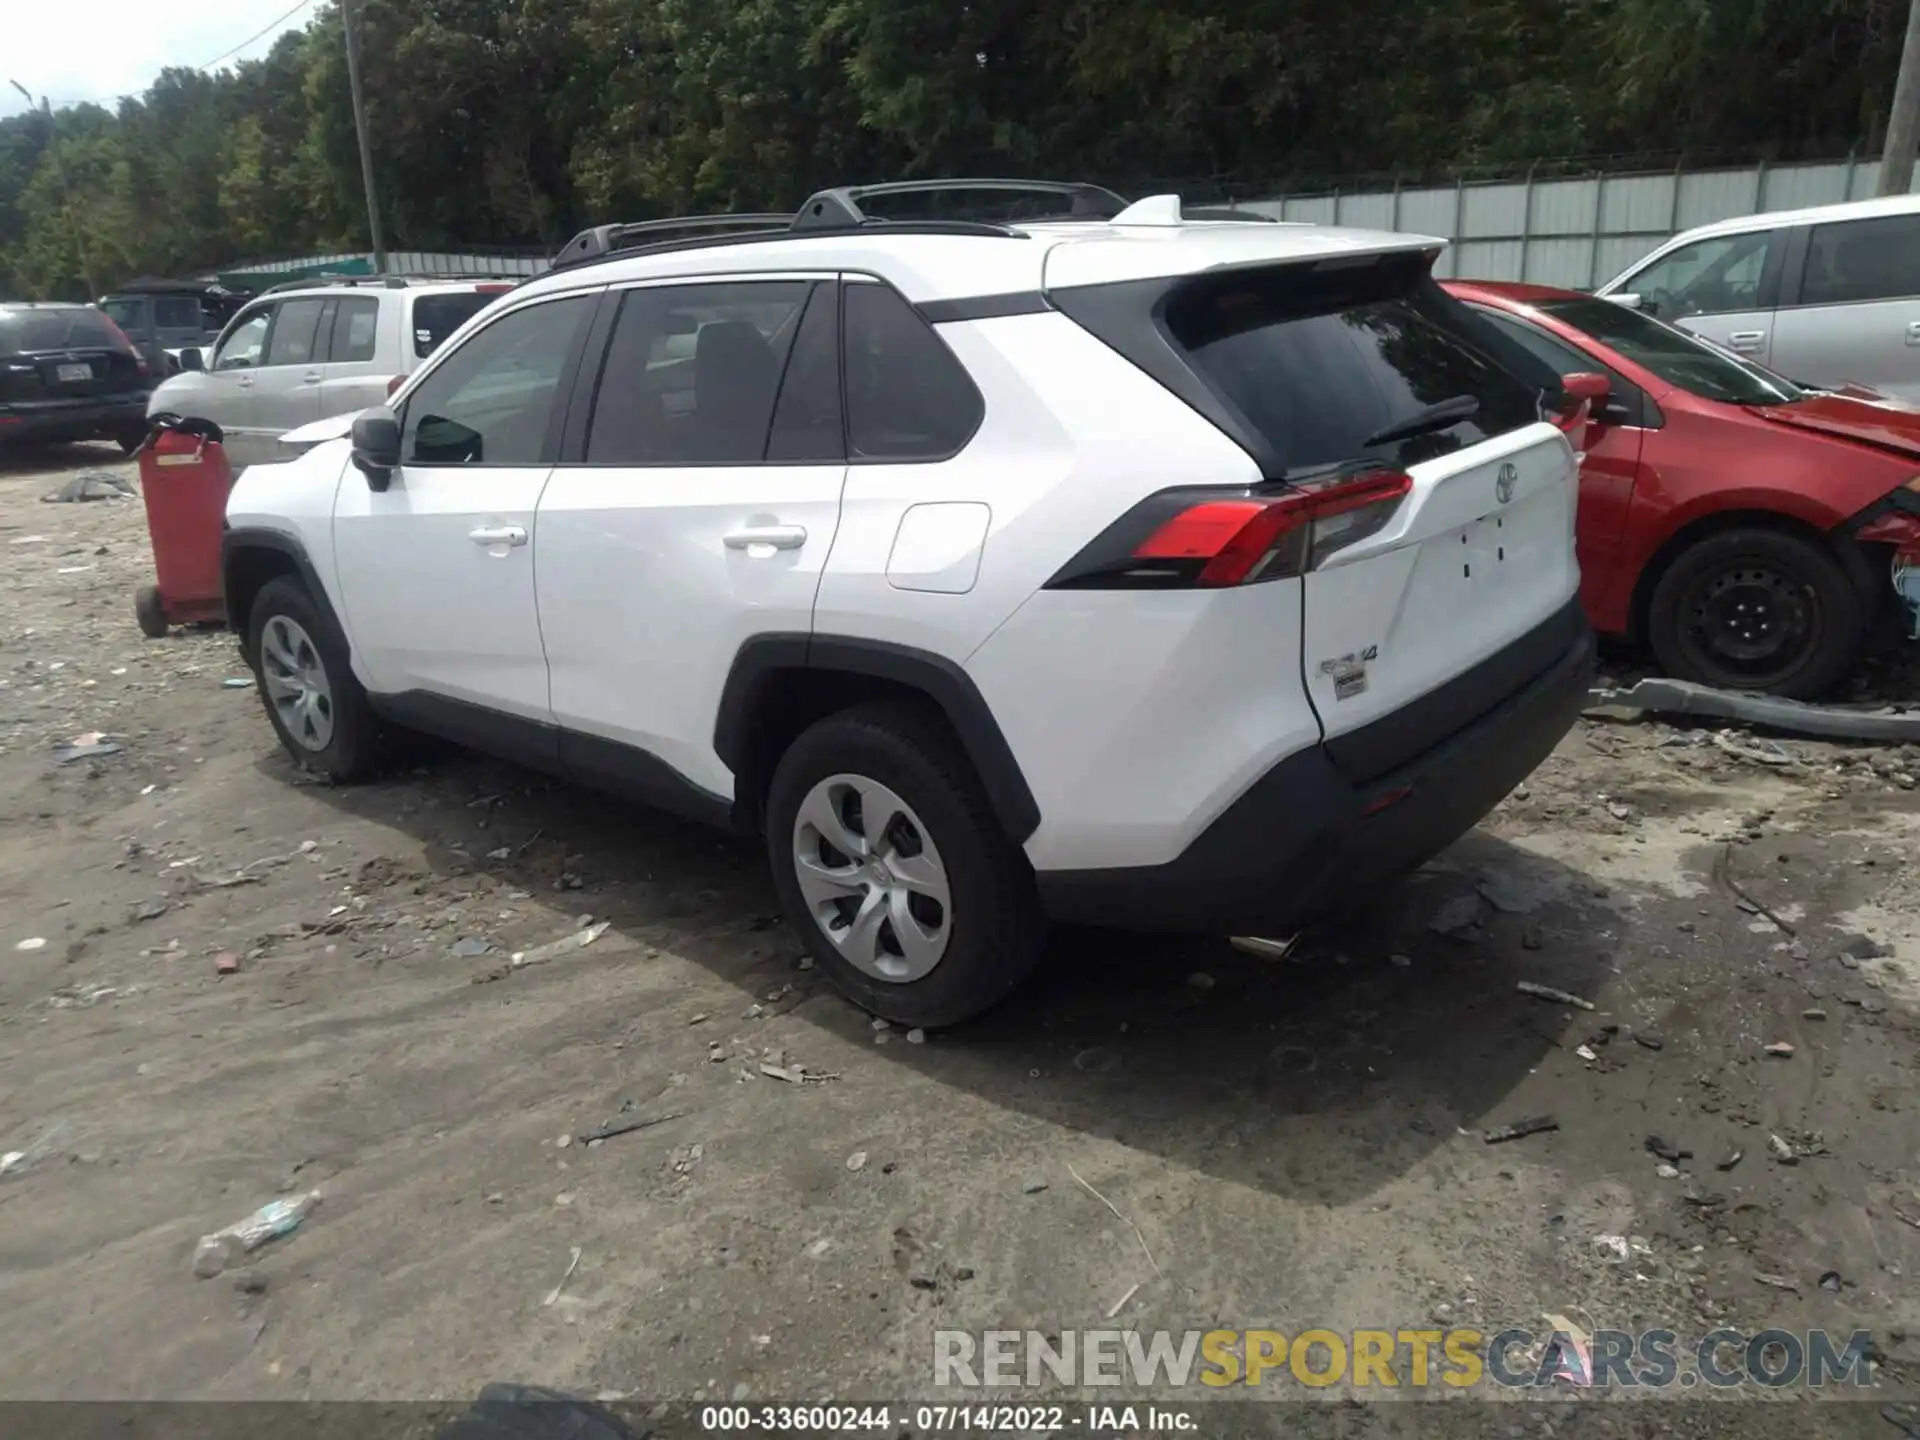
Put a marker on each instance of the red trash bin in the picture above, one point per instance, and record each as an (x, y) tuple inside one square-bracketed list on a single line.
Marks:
[(184, 479)]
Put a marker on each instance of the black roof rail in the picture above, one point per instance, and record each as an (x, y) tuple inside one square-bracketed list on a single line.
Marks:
[(603, 240), (1225, 212), (841, 209)]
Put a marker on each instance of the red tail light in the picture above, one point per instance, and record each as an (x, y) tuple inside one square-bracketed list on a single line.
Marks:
[(394, 384), (1180, 539)]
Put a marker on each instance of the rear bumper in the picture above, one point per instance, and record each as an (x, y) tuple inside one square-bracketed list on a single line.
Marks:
[(106, 415), (1306, 840)]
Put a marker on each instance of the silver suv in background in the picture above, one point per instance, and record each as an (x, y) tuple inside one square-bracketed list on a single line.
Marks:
[(1827, 296), (311, 349)]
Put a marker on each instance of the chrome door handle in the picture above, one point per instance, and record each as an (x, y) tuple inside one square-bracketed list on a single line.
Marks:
[(246, 382), (498, 535), (1913, 332), (779, 537), (1746, 340), (312, 377)]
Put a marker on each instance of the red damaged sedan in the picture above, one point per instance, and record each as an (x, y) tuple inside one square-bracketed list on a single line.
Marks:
[(1744, 527)]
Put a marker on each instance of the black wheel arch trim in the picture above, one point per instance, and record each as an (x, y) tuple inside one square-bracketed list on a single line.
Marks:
[(755, 673), (252, 537)]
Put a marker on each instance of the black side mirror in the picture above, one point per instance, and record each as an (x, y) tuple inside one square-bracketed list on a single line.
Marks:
[(376, 446), (190, 359)]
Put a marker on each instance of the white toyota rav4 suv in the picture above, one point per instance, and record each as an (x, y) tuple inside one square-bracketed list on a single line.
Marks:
[(1113, 567)]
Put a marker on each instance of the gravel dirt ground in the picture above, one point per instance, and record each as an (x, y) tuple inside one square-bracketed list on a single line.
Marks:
[(1290, 1143)]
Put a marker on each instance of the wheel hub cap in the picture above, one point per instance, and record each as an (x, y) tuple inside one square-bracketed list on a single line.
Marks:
[(872, 878), (296, 683), (1753, 620)]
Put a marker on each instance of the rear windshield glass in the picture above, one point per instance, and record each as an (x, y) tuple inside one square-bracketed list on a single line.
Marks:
[(1324, 365), (1674, 355), (435, 317), (57, 330)]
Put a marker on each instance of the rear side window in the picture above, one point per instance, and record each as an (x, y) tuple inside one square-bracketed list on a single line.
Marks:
[(1862, 260), (177, 312), (908, 398), (692, 371), (355, 325), (435, 317), (1324, 365), (58, 330)]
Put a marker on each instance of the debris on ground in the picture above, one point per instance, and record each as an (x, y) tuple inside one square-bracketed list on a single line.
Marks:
[(1781, 1049), (1520, 1129), (1733, 1158), (15, 1162), (226, 963), (624, 1127), (1507, 897), (92, 745), (1265, 948), (470, 947), (916, 1037), (1778, 1282), (1458, 915), (91, 485), (32, 942), (566, 945), (1667, 1150), (1558, 997), (794, 1074), (857, 1161), (1831, 1282), (1797, 717), (1614, 1247), (1781, 1151), (573, 1264), (276, 1218)]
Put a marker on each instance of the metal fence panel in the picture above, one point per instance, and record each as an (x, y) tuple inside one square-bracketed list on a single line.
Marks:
[(1577, 232), (1563, 207)]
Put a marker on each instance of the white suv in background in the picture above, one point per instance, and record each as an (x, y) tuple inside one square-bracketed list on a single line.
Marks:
[(1112, 567), (1828, 296), (311, 349)]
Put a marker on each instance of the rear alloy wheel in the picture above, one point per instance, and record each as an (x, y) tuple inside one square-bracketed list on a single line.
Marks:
[(891, 864), (1758, 609)]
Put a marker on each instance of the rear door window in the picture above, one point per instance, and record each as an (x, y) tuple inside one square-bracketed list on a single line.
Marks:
[(1862, 260), (177, 312), (435, 317), (1323, 365), (691, 373), (908, 397), (295, 331)]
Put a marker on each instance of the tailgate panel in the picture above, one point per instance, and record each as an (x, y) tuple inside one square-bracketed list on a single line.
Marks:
[(1480, 553)]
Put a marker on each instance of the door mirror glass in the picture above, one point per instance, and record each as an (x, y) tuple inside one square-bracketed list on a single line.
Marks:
[(376, 446), (191, 359)]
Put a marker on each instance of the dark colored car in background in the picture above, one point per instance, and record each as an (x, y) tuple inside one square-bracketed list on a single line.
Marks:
[(1744, 527), (164, 317), (67, 372)]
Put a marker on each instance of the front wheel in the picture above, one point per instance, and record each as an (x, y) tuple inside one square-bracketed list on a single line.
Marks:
[(1758, 609), (311, 696), (891, 864)]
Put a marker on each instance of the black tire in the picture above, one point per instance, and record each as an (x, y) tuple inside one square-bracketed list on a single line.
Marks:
[(1761, 609), (353, 745), (995, 931), (150, 613), (532, 1412), (131, 439)]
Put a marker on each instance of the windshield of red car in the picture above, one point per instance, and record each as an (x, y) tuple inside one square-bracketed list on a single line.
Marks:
[(1674, 355)]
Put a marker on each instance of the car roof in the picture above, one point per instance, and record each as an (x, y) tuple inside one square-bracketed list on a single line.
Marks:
[(1809, 215), (42, 305), (1025, 257)]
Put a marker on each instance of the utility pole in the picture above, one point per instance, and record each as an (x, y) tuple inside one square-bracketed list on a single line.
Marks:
[(350, 15), (1903, 125)]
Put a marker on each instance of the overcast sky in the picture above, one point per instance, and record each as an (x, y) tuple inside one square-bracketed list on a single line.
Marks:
[(75, 50)]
